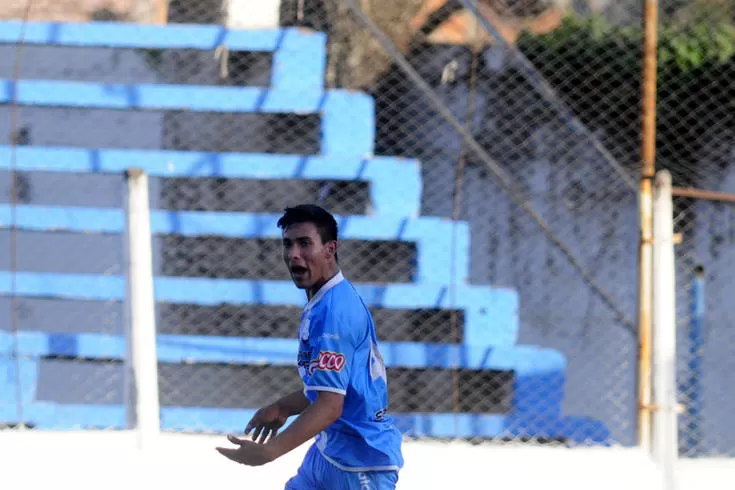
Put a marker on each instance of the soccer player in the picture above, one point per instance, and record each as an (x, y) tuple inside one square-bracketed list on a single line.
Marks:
[(344, 400)]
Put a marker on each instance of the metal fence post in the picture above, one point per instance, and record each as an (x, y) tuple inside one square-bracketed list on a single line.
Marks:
[(141, 361)]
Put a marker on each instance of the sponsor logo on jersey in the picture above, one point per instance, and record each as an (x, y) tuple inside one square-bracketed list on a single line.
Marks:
[(328, 361)]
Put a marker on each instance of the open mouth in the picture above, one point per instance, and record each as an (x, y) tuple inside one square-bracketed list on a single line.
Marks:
[(297, 270)]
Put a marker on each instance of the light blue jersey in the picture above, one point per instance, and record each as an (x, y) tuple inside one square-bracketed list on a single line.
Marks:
[(338, 352)]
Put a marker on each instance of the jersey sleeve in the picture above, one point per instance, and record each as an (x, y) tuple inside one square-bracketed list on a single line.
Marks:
[(333, 354)]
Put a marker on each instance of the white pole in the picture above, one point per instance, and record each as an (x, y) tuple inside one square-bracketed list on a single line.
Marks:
[(665, 443), (142, 359)]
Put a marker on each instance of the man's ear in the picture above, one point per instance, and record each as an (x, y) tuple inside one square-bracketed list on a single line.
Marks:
[(331, 247)]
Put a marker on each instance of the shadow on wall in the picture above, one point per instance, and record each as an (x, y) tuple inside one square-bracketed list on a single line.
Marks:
[(196, 11), (66, 11), (107, 15)]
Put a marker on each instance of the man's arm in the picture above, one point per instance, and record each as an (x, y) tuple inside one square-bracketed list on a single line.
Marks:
[(292, 404), (315, 418), (330, 378)]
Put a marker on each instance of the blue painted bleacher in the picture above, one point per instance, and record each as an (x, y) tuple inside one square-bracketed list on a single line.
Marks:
[(347, 122), (348, 125), (381, 173)]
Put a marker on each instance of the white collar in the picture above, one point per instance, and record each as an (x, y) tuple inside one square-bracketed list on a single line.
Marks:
[(336, 279)]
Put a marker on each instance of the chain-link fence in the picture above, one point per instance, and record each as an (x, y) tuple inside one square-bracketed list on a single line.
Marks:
[(482, 159), (695, 124)]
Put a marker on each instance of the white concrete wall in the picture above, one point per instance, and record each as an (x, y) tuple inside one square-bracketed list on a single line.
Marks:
[(93, 460)]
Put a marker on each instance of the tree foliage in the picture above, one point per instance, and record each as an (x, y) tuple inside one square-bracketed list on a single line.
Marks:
[(596, 68)]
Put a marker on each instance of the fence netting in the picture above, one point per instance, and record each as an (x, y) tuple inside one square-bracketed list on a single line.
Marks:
[(482, 159)]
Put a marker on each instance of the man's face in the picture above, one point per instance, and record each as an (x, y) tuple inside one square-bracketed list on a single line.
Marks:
[(306, 257)]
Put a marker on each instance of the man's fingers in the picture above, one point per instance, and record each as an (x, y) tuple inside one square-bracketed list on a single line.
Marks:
[(228, 453), (273, 433), (261, 431), (236, 440), (264, 436), (254, 422), (257, 432)]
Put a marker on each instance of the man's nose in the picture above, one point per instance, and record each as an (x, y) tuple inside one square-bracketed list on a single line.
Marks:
[(293, 253)]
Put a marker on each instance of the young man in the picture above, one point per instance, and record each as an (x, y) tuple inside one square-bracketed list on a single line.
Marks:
[(345, 396)]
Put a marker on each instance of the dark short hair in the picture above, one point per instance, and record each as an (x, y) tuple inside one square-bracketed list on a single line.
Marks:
[(325, 223)]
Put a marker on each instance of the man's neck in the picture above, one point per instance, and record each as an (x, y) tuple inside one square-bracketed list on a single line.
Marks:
[(310, 293)]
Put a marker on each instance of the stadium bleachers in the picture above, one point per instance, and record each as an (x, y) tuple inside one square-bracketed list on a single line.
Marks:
[(529, 380)]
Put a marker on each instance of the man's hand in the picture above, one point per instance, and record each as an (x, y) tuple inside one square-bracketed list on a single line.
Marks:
[(248, 453), (321, 414), (318, 416), (266, 423)]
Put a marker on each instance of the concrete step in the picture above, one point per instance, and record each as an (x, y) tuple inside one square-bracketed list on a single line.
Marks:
[(347, 118), (394, 184), (298, 56)]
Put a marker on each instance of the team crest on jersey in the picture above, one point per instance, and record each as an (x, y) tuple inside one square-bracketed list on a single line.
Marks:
[(327, 361), (304, 358), (304, 327)]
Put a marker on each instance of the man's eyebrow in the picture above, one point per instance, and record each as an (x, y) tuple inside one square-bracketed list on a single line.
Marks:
[(305, 237)]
